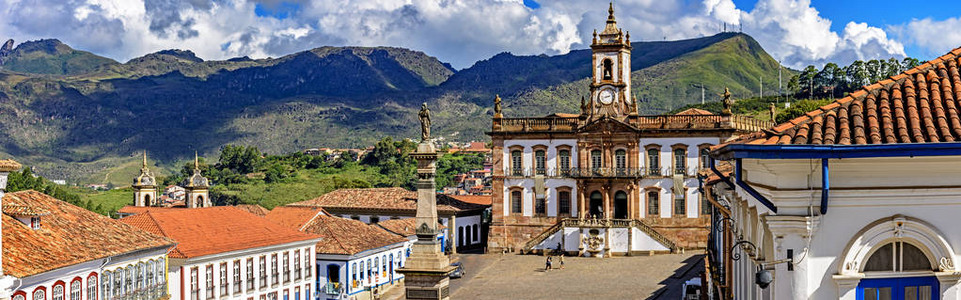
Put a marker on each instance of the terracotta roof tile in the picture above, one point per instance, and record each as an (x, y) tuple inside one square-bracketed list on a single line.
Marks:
[(293, 216), (917, 106), (346, 236), (382, 198), (211, 230), (695, 112), (479, 200), (68, 235), (255, 209)]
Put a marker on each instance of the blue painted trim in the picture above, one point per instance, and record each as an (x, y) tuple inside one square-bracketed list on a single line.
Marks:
[(825, 185), (719, 174), (836, 151), (750, 190)]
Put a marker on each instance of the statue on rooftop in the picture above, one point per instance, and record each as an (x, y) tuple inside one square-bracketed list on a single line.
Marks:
[(424, 122), (728, 103), (497, 106)]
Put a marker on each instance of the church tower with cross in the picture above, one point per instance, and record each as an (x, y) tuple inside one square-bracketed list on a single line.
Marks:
[(145, 186)]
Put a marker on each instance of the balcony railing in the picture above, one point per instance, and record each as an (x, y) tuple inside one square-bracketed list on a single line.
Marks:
[(545, 124), (153, 292), (601, 172)]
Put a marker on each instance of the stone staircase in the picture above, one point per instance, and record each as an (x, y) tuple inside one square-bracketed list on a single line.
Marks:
[(598, 223)]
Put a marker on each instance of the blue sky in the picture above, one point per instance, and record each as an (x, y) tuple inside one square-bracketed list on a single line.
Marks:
[(461, 32)]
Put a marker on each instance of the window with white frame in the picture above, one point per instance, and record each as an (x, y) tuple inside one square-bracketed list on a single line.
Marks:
[(58, 292), (118, 282), (194, 284), (250, 274), (138, 276), (75, 289), (263, 271), (151, 278), (128, 279), (517, 163), (161, 272), (237, 280), (18, 297), (92, 287), (40, 295), (308, 263), (274, 270), (223, 279), (209, 281), (620, 159), (286, 265), (297, 264), (105, 285), (564, 157)]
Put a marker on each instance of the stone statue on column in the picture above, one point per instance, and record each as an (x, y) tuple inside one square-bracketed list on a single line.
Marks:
[(426, 272)]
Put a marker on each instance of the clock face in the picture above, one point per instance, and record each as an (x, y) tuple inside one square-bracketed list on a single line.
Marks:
[(607, 97)]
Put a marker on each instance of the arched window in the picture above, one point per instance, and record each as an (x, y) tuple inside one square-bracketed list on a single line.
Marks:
[(564, 157), (58, 291), (362, 270), (383, 263), (200, 201), (608, 69), (596, 159), (517, 163), (653, 162), (680, 161), (92, 287), (597, 202), (540, 162), (128, 279), (117, 282), (40, 294), (467, 236), (353, 271), (138, 277), (105, 280), (18, 297), (653, 205), (75, 289), (162, 270), (516, 202), (897, 257), (146, 200), (460, 235)]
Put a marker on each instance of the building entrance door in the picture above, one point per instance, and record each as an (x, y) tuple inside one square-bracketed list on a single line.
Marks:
[(620, 205), (907, 288), (596, 205)]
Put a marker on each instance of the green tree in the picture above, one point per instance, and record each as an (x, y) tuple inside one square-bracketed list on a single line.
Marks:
[(239, 158)]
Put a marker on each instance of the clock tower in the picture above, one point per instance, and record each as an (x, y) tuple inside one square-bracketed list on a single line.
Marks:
[(611, 75)]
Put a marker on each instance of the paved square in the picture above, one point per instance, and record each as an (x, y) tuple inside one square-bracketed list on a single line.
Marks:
[(495, 276)]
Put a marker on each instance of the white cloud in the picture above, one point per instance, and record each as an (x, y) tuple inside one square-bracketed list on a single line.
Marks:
[(456, 31), (933, 37)]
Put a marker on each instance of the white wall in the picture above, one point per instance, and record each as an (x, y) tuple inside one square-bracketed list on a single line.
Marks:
[(551, 196), (83, 271), (667, 157), (467, 223), (396, 251), (528, 154), (305, 283)]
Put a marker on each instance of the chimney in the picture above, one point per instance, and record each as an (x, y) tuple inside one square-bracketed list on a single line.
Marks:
[(6, 282)]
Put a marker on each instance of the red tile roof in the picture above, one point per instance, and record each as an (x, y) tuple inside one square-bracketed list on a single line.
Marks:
[(402, 227), (917, 106), (254, 209), (7, 165), (479, 200), (346, 236), (382, 198), (68, 235), (211, 230), (293, 216)]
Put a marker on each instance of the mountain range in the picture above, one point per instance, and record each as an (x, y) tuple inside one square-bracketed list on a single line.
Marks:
[(79, 116)]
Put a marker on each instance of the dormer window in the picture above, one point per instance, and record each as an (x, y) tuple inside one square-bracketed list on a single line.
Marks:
[(35, 223)]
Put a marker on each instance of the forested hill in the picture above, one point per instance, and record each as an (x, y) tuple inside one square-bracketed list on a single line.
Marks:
[(85, 120)]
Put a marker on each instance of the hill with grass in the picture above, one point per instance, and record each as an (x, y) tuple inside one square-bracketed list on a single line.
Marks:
[(88, 126), (50, 56)]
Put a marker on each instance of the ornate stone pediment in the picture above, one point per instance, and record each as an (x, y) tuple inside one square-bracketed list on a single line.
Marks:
[(606, 125)]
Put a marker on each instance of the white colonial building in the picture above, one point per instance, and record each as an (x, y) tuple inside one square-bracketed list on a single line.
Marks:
[(354, 260), (224, 252), (606, 181), (856, 200), (59, 251)]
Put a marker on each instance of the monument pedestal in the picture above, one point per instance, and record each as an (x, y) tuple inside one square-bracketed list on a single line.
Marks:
[(426, 271)]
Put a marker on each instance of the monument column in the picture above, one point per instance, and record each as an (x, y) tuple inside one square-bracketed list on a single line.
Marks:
[(426, 272)]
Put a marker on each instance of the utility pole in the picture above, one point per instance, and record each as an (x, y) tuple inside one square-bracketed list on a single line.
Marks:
[(779, 93), (760, 79)]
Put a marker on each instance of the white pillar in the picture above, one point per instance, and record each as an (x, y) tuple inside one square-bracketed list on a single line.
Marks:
[(792, 233)]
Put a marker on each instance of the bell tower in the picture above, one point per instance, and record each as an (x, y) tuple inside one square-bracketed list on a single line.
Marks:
[(197, 187), (145, 186), (611, 62)]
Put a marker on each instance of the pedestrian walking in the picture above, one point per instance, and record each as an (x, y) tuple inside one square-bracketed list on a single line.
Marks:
[(561, 260), (547, 266)]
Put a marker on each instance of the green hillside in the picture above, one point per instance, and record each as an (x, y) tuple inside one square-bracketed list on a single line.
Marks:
[(89, 127), (50, 56)]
